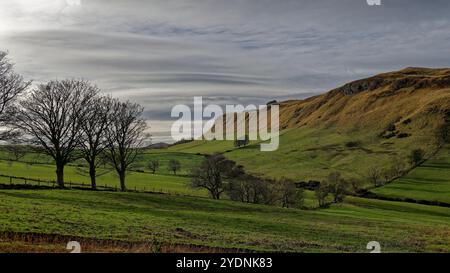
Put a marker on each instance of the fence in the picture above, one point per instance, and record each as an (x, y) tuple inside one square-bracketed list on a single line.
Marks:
[(26, 181)]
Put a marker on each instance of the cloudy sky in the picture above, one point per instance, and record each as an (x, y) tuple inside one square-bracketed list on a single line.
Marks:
[(163, 52)]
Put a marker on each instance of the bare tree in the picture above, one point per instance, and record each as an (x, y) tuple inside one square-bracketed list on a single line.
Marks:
[(374, 174), (174, 166), (247, 189), (154, 165), (16, 151), (322, 193), (338, 186), (94, 141), (52, 114), (11, 85), (126, 137), (288, 194), (212, 174), (398, 167), (356, 184)]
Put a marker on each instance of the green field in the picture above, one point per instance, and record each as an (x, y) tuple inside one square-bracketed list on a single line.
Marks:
[(399, 227), (430, 181), (135, 180), (305, 154), (311, 154), (187, 161)]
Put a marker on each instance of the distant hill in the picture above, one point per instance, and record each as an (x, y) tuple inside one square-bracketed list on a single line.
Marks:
[(412, 98), (370, 122), (159, 145)]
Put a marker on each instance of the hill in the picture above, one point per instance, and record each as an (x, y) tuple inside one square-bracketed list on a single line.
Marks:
[(373, 122), (410, 99)]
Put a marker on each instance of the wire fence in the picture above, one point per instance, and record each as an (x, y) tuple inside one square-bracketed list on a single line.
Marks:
[(17, 181)]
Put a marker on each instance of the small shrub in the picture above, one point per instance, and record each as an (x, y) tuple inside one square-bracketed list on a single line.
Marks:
[(353, 144), (403, 135), (407, 121), (390, 127), (416, 156), (388, 135)]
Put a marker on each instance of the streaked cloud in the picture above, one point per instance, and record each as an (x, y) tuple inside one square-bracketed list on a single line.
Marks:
[(161, 53)]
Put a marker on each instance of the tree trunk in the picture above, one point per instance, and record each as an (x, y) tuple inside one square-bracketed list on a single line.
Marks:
[(122, 181), (92, 174), (215, 194), (60, 174)]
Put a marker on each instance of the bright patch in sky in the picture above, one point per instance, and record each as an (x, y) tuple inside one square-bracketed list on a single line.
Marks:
[(164, 52)]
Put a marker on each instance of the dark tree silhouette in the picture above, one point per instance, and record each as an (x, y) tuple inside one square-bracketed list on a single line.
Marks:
[(289, 195), (11, 85), (52, 114), (94, 141), (174, 166), (337, 186), (126, 137), (16, 150), (153, 165), (374, 175), (322, 193), (416, 156), (212, 173)]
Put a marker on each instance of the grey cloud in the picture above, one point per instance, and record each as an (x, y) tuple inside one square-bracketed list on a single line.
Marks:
[(163, 52)]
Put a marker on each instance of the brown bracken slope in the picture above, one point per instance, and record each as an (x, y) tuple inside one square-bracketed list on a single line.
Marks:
[(410, 99)]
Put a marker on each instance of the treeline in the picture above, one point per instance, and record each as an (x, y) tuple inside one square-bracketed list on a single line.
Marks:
[(219, 175), (69, 120)]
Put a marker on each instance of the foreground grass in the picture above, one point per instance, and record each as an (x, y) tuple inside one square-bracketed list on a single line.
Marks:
[(430, 181), (188, 220)]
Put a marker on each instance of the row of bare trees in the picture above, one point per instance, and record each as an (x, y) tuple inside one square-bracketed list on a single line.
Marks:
[(69, 120), (219, 175)]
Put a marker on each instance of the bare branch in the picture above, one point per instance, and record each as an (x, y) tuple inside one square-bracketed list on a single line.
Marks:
[(52, 114)]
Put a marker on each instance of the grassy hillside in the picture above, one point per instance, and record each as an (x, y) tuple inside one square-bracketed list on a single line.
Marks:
[(412, 99), (430, 181), (311, 154), (373, 122), (146, 217)]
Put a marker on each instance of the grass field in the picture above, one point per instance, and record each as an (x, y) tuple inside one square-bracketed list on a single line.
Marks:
[(430, 181), (398, 226), (305, 154), (135, 180), (187, 161), (311, 154)]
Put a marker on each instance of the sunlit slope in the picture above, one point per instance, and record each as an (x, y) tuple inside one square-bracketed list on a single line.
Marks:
[(373, 122), (411, 99)]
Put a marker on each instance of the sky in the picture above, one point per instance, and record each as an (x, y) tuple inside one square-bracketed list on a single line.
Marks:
[(160, 53)]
